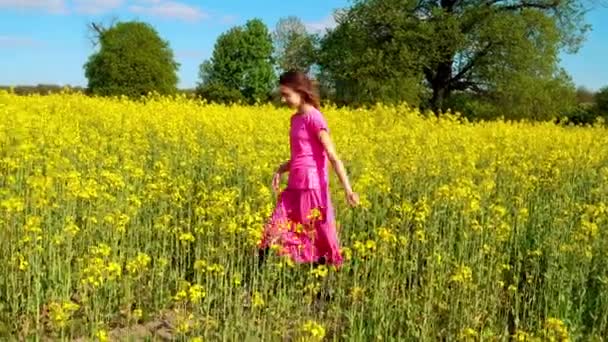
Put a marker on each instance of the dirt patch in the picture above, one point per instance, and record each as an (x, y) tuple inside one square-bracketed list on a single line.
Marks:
[(158, 330)]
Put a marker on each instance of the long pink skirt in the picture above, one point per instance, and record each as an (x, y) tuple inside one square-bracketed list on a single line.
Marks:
[(302, 227)]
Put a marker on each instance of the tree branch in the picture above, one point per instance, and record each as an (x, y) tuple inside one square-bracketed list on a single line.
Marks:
[(471, 64), (545, 5), (95, 33), (97, 28), (465, 85), (462, 85)]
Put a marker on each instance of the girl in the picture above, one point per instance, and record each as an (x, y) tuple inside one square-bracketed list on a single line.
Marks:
[(302, 225)]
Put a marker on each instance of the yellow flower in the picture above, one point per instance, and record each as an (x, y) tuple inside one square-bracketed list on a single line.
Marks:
[(237, 280), (197, 293), (462, 275), (346, 253), (138, 314), (320, 272), (556, 330), (181, 295), (421, 236), (101, 250), (370, 245), (102, 335), (186, 237), (257, 300), (139, 264), (522, 336), (315, 215), (114, 270), (89, 183), (24, 265), (71, 229), (200, 265), (387, 236), (215, 268), (314, 330), (467, 334), (357, 293)]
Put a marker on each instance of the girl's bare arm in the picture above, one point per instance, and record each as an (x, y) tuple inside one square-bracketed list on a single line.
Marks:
[(335, 161)]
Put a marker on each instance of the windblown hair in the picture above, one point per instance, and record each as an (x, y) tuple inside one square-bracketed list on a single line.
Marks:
[(303, 85)]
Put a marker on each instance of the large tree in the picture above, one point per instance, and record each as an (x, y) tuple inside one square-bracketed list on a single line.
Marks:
[(519, 96), (241, 67), (448, 46), (132, 60), (584, 95), (362, 62), (294, 45), (601, 102)]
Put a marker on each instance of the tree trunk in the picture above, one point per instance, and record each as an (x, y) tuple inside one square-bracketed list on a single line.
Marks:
[(440, 83), (437, 99)]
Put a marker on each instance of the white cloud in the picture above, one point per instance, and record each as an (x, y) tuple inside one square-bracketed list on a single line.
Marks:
[(321, 26), (52, 6), (170, 10), (96, 6)]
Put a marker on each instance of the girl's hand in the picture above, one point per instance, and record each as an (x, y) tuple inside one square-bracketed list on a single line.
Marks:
[(276, 178), (352, 199), (276, 182)]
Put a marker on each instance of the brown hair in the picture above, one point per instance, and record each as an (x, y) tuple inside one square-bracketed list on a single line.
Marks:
[(303, 85)]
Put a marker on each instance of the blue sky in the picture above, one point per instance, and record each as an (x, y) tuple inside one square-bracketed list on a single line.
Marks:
[(46, 41)]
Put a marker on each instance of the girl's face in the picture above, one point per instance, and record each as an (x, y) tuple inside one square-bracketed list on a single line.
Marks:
[(290, 97)]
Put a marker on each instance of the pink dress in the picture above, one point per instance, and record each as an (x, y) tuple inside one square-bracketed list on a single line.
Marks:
[(302, 225)]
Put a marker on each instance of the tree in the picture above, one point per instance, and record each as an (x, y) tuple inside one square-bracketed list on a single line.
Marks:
[(601, 102), (132, 60), (453, 46), (41, 89), (523, 97), (294, 46), (361, 65), (241, 67), (584, 95), (584, 113)]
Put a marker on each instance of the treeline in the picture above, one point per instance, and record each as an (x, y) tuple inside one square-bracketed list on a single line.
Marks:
[(42, 89), (590, 106), (485, 59), (49, 89)]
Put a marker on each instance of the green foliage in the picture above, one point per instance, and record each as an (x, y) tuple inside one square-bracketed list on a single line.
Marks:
[(582, 114), (294, 46), (406, 50), (585, 96), (132, 60), (42, 89), (601, 102), (363, 62), (216, 92), (241, 66), (521, 97)]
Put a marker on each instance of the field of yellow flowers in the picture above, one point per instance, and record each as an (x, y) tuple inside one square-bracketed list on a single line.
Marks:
[(139, 220)]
